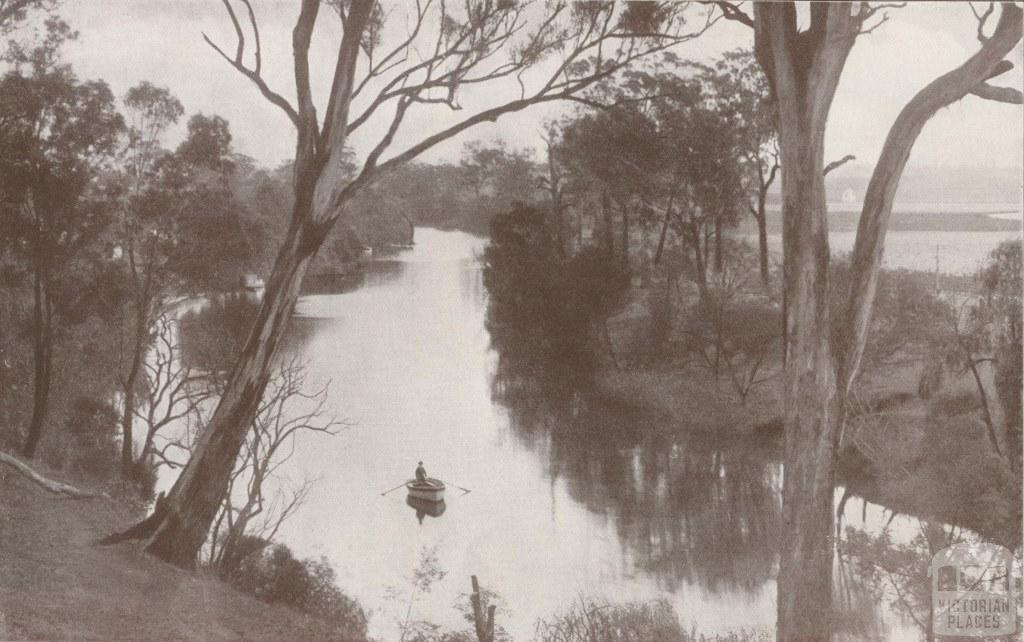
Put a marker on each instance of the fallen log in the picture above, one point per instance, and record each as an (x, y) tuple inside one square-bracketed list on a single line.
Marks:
[(59, 488)]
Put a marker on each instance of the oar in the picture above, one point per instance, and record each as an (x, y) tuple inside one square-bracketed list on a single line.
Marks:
[(393, 489), (465, 491)]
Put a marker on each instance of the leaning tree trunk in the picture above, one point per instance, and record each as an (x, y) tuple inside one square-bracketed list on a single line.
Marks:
[(178, 526), (196, 496)]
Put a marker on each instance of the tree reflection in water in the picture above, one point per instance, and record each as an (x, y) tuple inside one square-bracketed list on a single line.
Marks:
[(689, 509), (699, 509)]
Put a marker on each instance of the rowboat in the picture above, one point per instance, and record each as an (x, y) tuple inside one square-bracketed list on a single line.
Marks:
[(431, 490)]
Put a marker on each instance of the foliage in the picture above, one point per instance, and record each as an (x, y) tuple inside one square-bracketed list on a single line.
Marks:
[(91, 426), (14, 12), (276, 576), (57, 134), (541, 302), (734, 328), (593, 621), (909, 320), (1001, 305), (896, 572)]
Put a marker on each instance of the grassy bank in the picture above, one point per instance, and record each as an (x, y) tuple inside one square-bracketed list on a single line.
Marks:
[(58, 584)]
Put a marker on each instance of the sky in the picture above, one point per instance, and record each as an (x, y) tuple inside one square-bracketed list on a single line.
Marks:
[(128, 41)]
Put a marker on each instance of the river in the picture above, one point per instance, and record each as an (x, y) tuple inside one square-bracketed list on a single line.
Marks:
[(559, 507)]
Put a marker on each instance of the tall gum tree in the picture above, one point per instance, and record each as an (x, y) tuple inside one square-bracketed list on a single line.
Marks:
[(550, 51), (823, 354)]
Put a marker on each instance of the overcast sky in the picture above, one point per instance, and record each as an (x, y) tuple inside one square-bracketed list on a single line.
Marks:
[(127, 41)]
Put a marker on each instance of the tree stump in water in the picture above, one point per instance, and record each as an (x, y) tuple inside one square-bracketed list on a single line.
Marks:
[(484, 625)]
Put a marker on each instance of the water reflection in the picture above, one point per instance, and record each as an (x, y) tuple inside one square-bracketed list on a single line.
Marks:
[(424, 508), (571, 495)]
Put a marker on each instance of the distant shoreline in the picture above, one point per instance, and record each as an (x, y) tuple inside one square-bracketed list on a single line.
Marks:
[(994, 220)]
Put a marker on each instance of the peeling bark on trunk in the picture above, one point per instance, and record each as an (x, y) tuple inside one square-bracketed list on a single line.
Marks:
[(804, 70), (805, 576)]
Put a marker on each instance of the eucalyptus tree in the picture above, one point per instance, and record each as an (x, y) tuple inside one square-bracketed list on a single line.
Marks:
[(803, 67), (57, 133), (550, 52), (619, 147), (14, 12), (144, 240), (737, 85)]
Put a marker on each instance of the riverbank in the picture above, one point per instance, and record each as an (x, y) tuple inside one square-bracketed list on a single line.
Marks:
[(927, 457), (56, 583), (650, 368)]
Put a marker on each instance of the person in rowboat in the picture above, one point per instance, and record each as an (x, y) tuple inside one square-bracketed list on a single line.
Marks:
[(421, 473)]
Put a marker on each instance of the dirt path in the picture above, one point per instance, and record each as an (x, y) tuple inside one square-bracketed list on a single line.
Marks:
[(55, 583)]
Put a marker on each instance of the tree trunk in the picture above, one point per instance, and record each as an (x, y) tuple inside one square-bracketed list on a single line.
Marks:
[(986, 411), (1008, 389), (804, 70), (718, 243), (699, 266), (178, 527), (196, 496), (128, 468), (811, 402), (881, 191), (609, 228), (625, 235), (42, 342), (762, 238)]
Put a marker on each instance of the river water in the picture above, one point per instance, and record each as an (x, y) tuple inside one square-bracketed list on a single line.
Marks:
[(562, 505)]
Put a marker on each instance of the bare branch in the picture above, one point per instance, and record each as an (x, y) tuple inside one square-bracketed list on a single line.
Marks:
[(732, 11), (252, 74), (868, 11), (1009, 95), (982, 19), (51, 485), (838, 163)]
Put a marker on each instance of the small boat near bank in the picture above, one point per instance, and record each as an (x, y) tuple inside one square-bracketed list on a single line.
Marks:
[(429, 490)]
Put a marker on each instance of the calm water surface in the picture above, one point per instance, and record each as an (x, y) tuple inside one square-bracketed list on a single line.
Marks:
[(563, 504)]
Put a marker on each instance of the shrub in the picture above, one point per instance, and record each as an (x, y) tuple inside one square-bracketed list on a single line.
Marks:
[(543, 305), (92, 425), (952, 404), (274, 575), (590, 621)]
